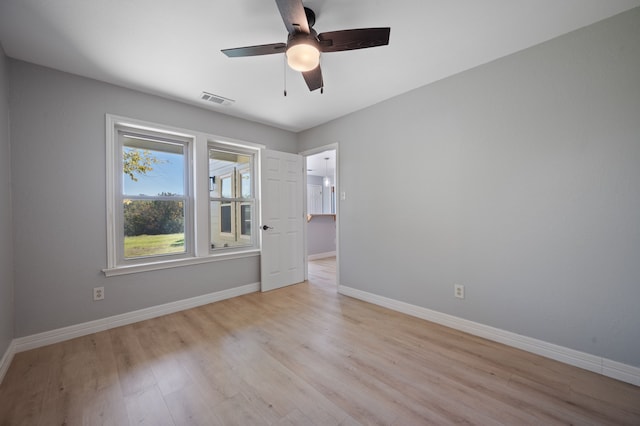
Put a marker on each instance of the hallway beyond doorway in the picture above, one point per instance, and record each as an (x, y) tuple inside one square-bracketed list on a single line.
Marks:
[(322, 273)]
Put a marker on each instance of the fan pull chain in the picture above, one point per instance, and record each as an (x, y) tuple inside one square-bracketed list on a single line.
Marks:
[(285, 74)]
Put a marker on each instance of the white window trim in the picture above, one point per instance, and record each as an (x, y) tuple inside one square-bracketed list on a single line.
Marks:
[(254, 189), (229, 204), (177, 263), (200, 189)]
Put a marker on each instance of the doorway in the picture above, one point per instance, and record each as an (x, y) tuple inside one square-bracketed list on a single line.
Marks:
[(322, 215)]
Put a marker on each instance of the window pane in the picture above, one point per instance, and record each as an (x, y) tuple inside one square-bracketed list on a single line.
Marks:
[(230, 224), (225, 218), (152, 167), (153, 227), (245, 219), (245, 184), (232, 171), (226, 187)]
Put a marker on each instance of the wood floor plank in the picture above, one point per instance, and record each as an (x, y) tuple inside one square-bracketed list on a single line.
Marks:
[(301, 355), (134, 368), (23, 389), (106, 407), (148, 407), (295, 418), (241, 410), (192, 405)]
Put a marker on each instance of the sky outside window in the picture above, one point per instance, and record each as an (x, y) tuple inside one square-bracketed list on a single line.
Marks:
[(166, 176)]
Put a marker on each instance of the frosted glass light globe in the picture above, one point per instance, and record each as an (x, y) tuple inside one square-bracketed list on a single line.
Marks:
[(303, 57)]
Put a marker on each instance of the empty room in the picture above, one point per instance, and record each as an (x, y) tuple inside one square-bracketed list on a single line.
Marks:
[(319, 212)]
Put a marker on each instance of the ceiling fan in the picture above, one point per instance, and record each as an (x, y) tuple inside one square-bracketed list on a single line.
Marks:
[(304, 44)]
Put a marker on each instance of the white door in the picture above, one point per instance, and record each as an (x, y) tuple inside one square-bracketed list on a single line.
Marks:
[(314, 199), (282, 257)]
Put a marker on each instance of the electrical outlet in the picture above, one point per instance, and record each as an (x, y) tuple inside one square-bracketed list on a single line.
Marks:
[(458, 291), (98, 293)]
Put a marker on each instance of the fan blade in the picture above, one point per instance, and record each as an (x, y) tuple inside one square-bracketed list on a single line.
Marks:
[(263, 49), (293, 16), (314, 78), (337, 41)]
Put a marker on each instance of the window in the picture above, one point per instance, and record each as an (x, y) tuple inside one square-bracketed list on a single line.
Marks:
[(175, 198), (153, 215), (231, 197)]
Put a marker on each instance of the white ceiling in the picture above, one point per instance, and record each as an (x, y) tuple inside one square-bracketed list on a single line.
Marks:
[(172, 48), (322, 163)]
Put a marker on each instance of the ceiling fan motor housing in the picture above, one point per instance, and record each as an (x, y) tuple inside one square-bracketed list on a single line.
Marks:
[(311, 16), (300, 38)]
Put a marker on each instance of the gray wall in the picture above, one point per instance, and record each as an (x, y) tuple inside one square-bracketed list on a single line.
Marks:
[(58, 159), (321, 235), (519, 179), (6, 233)]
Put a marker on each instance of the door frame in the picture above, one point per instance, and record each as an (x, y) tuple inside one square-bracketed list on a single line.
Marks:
[(333, 146)]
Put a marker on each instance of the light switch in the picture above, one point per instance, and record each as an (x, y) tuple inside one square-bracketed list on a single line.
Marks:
[(343, 196)]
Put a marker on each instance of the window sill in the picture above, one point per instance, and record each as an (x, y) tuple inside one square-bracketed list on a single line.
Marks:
[(154, 266)]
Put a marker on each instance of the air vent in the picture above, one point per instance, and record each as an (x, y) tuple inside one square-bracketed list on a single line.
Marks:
[(219, 100)]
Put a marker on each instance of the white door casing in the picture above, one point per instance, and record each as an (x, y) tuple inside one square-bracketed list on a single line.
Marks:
[(282, 257)]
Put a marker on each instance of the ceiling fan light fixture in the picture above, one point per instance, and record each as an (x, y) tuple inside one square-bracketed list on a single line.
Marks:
[(304, 44), (326, 181), (303, 54)]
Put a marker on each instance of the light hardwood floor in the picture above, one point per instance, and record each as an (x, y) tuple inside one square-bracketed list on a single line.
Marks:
[(296, 356)]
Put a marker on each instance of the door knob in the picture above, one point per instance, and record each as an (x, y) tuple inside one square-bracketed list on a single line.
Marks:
[(265, 227)]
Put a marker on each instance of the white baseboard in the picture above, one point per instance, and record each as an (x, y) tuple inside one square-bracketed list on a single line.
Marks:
[(606, 367), (33, 341), (596, 364), (620, 371), (321, 255), (6, 359)]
